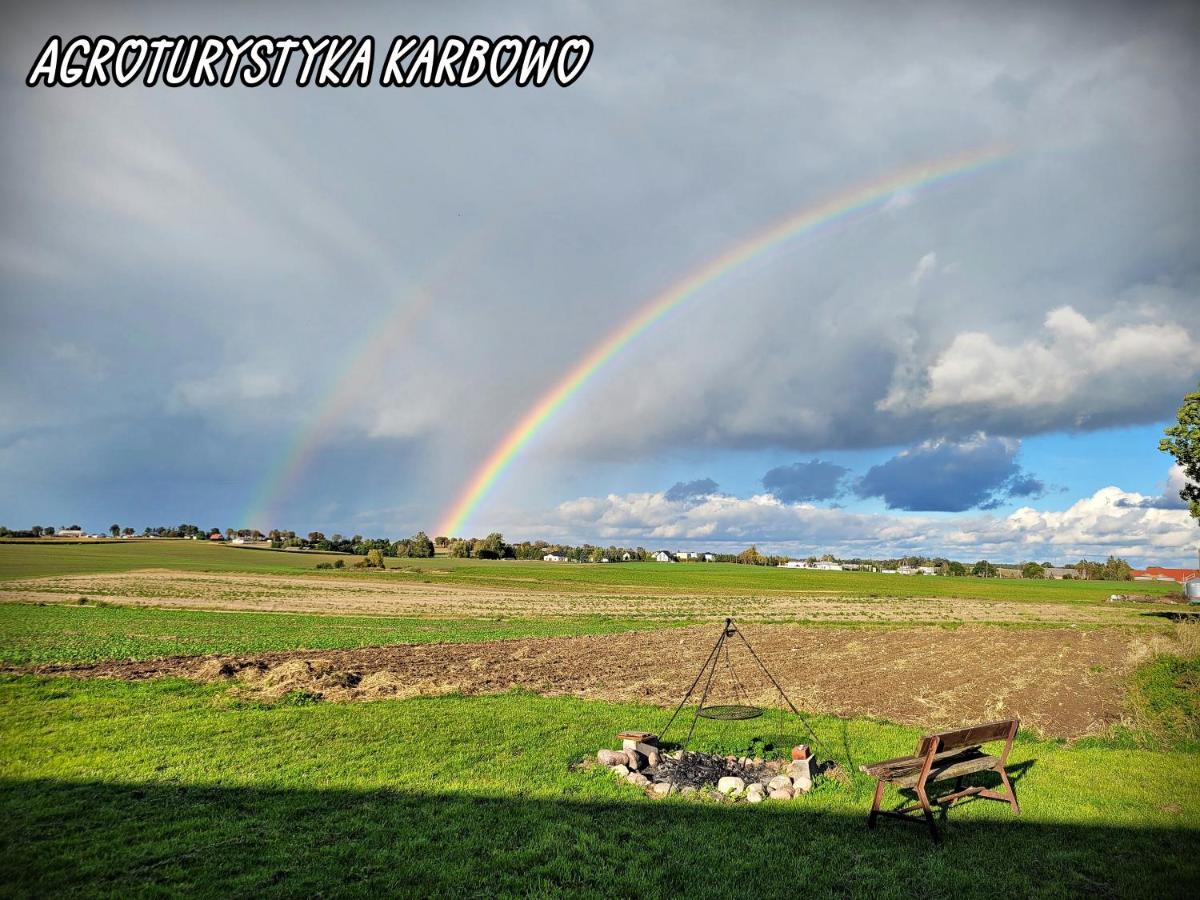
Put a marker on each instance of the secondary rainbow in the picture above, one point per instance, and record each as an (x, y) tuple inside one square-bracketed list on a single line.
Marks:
[(344, 391), (864, 197)]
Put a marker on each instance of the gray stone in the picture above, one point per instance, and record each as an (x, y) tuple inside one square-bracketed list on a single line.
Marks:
[(730, 785), (755, 797), (639, 779), (779, 781), (635, 760), (781, 794), (621, 770), (801, 784), (662, 788), (801, 767), (612, 757), (652, 759)]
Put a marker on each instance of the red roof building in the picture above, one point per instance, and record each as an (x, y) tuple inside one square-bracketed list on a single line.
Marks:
[(1158, 573)]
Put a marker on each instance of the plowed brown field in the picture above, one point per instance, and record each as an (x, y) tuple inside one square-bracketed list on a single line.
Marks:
[(1062, 682)]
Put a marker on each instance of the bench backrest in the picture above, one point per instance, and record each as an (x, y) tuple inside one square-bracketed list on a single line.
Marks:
[(969, 737)]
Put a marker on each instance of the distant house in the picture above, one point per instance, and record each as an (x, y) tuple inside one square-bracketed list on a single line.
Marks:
[(927, 570), (684, 554), (1156, 573), (794, 564), (710, 557), (662, 556), (238, 540), (1059, 573), (216, 536), (825, 565), (625, 557), (71, 532), (554, 557), (1008, 572)]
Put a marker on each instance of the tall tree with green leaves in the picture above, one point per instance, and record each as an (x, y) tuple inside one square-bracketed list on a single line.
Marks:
[(1183, 442)]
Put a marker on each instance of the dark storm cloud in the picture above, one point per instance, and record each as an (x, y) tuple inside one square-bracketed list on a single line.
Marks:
[(221, 261), (948, 476), (803, 481), (691, 490)]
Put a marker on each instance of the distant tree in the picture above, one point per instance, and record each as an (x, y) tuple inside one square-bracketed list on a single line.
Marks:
[(956, 568), (36, 530), (127, 530), (751, 557), (441, 542), (1032, 570), (490, 547), (420, 546), (460, 550), (114, 529), (315, 537), (375, 559), (1117, 569), (984, 569), (48, 530), (1183, 442)]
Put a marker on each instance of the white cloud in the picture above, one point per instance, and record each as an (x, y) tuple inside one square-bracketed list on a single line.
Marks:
[(233, 387), (1109, 521), (925, 266), (1064, 365)]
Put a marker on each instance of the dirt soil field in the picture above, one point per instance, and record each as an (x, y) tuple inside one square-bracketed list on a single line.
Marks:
[(267, 593), (1061, 682)]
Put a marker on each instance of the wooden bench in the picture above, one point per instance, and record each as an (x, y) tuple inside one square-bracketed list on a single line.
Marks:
[(950, 754)]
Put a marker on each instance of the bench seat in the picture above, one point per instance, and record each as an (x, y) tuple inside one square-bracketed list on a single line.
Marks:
[(905, 771), (943, 756)]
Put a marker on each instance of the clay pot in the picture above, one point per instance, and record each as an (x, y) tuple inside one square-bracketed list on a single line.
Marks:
[(800, 751)]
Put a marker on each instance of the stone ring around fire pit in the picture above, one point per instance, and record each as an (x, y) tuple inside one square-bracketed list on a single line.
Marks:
[(640, 762)]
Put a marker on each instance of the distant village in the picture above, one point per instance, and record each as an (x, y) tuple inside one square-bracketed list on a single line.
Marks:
[(493, 546)]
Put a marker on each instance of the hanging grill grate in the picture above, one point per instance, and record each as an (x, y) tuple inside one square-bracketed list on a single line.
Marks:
[(729, 712)]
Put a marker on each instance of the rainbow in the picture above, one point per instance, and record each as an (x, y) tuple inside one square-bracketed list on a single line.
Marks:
[(862, 198)]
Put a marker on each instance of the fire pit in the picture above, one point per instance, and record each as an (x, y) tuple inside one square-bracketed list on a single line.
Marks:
[(641, 761), (708, 774)]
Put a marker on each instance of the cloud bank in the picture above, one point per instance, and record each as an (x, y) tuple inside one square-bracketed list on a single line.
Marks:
[(1110, 521)]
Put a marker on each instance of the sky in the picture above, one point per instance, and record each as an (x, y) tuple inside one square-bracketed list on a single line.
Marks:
[(326, 309)]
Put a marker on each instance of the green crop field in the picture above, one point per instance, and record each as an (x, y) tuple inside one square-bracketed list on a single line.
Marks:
[(162, 787), (167, 786), (33, 559), (32, 635)]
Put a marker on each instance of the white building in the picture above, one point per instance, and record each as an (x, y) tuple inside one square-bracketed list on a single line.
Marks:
[(710, 557), (553, 557), (826, 566), (71, 532), (625, 557), (662, 556)]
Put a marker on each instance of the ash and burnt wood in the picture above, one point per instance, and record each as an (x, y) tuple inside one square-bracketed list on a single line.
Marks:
[(704, 770), (940, 757)]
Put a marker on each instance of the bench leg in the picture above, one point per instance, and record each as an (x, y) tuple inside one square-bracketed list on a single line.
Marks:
[(924, 798), (875, 806), (1012, 795)]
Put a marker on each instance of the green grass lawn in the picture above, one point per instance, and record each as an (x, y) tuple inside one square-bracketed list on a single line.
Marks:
[(32, 634), (113, 788), (33, 559)]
